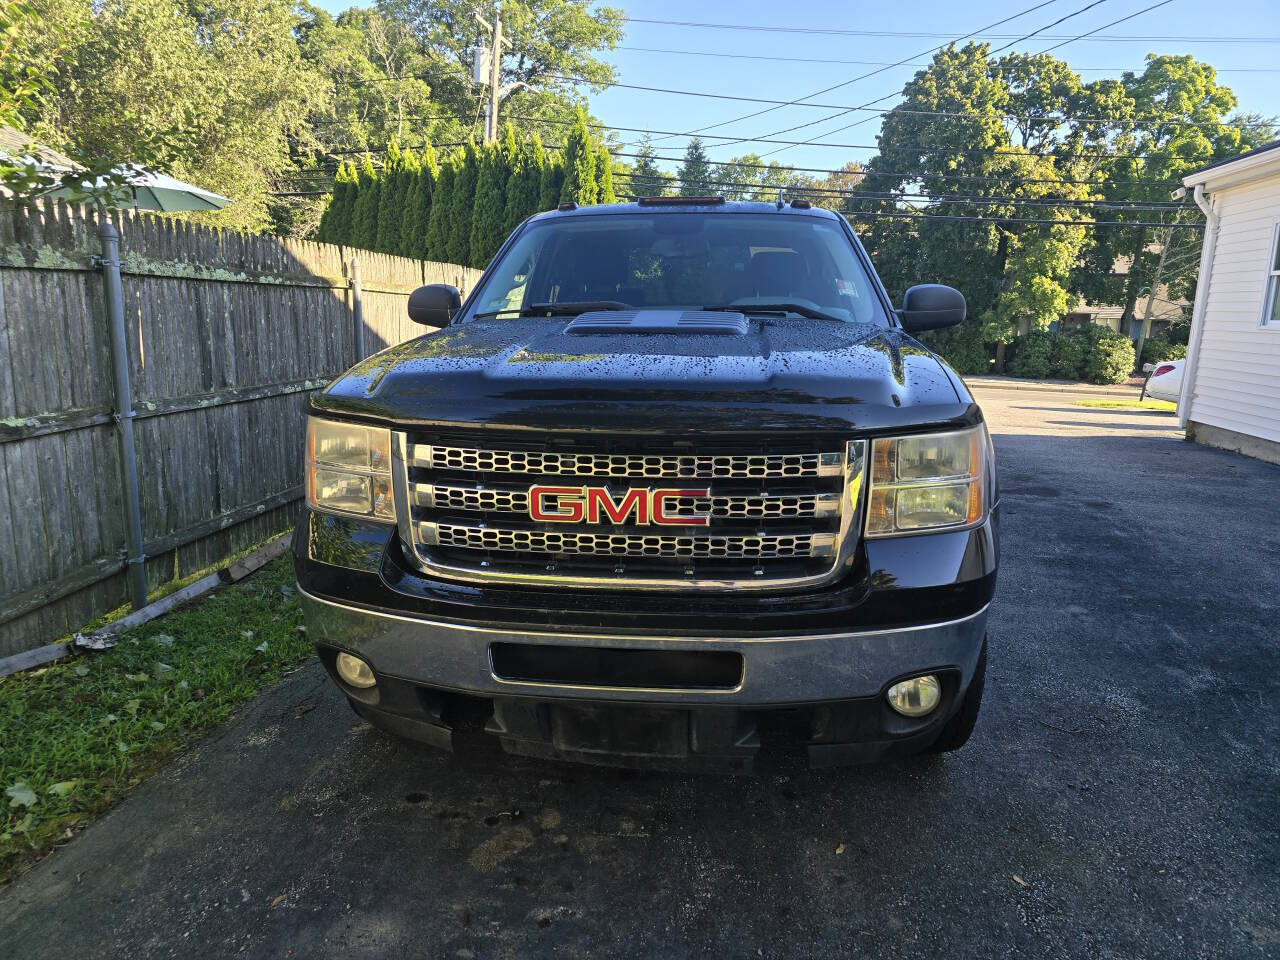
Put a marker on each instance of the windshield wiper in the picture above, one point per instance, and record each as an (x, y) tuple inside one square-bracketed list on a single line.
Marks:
[(557, 309), (782, 307)]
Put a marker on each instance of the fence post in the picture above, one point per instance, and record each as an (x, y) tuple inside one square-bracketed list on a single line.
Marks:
[(357, 307), (135, 559)]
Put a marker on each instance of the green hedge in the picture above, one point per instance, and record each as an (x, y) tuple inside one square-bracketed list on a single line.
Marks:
[(1066, 360), (1031, 355), (962, 347), (1159, 349), (1093, 353)]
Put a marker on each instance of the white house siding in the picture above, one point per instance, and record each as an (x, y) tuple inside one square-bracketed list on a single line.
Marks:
[(1237, 380)]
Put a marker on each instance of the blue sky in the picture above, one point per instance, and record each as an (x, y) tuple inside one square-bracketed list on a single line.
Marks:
[(1251, 68)]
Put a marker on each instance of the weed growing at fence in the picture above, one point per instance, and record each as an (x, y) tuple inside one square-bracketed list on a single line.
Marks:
[(78, 735)]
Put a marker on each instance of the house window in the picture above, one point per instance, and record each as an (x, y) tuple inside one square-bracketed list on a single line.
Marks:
[(1271, 300)]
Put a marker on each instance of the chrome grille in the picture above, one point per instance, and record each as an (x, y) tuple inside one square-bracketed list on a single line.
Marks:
[(487, 500), (652, 466), (627, 545), (779, 513)]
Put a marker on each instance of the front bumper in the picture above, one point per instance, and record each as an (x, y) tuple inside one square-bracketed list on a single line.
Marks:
[(836, 679)]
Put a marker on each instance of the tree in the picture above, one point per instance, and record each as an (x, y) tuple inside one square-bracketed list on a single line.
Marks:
[(391, 200), (1184, 126), (748, 178), (437, 237), (212, 93), (579, 165), (417, 213), (461, 202), (604, 174), (335, 225), (952, 123), (695, 171), (550, 183), (525, 183), (646, 179), (364, 215), (557, 43), (372, 71), (490, 204)]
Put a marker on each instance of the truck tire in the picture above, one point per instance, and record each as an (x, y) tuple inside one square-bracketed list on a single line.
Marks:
[(957, 730)]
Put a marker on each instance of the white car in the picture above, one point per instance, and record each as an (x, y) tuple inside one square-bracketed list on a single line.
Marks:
[(1165, 381)]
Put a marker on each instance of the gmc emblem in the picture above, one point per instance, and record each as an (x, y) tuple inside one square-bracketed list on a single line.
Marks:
[(596, 505)]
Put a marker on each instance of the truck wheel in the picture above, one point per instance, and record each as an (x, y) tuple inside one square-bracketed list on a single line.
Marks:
[(956, 733)]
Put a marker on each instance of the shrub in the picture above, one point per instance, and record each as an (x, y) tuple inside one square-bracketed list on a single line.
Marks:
[(1031, 353), (1159, 349), (1110, 356), (962, 348), (1066, 359)]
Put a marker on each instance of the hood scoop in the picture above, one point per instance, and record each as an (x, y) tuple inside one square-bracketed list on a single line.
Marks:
[(659, 321)]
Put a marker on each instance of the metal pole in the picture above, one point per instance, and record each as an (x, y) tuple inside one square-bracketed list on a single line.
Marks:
[(135, 560), (1144, 329), (357, 307)]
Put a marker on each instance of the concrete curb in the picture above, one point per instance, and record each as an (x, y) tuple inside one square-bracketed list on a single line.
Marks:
[(1063, 389)]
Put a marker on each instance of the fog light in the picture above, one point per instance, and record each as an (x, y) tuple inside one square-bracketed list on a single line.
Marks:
[(355, 671), (915, 697)]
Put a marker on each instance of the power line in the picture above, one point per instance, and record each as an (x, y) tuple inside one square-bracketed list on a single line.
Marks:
[(949, 114), (951, 218), (886, 96), (1131, 224), (871, 73), (1001, 151), (858, 194), (1085, 36), (1062, 19), (880, 63), (904, 33), (917, 175)]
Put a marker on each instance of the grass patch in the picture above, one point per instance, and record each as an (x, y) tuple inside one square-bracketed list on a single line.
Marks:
[(80, 734), (1148, 404)]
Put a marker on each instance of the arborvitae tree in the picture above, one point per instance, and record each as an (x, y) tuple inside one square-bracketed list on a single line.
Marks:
[(408, 204), (331, 228), (508, 150), (646, 179), (417, 214), (604, 174), (525, 183), (345, 227), (549, 184), (460, 206), (579, 165), (390, 200), (695, 171), (364, 217), (437, 245), (490, 202)]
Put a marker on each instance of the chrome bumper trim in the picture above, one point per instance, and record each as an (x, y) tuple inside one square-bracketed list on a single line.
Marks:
[(777, 669)]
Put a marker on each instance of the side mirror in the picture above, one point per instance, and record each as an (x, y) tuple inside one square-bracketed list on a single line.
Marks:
[(434, 305), (931, 306)]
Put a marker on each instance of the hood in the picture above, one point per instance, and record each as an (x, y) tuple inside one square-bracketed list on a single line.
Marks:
[(781, 374)]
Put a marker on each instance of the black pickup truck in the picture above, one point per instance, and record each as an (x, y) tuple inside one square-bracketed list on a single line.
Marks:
[(675, 479)]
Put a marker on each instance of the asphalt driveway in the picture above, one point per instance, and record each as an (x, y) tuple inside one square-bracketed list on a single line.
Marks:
[(1120, 798)]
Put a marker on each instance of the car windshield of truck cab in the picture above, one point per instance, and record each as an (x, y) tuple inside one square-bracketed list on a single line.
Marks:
[(778, 264)]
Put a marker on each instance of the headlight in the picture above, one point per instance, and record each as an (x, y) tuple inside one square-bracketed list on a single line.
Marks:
[(928, 482), (349, 469)]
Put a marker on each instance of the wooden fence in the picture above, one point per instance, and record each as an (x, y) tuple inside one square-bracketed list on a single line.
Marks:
[(227, 334)]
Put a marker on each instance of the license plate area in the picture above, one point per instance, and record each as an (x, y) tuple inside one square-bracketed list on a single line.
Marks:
[(574, 666)]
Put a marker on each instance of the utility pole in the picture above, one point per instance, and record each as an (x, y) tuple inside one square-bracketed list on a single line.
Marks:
[(495, 69), (1168, 243)]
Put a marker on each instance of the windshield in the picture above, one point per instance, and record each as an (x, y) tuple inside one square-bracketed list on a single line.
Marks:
[(781, 264)]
